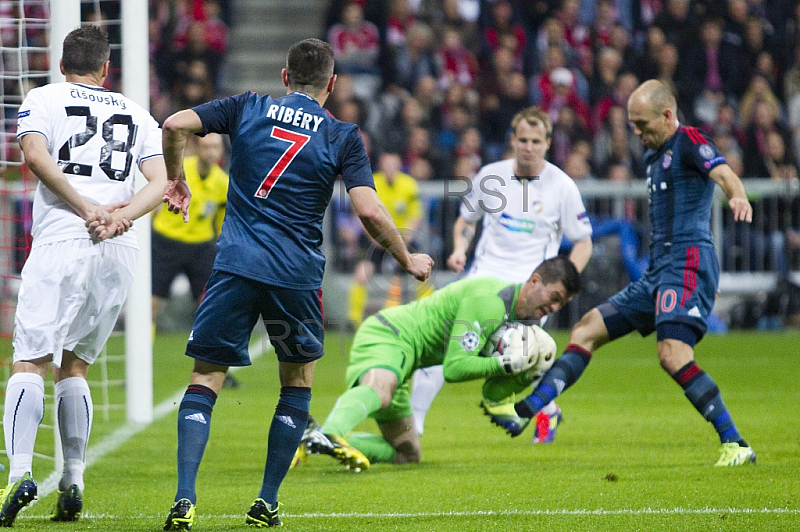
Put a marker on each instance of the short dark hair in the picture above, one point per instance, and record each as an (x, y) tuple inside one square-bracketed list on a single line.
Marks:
[(85, 50), (309, 64), (560, 268)]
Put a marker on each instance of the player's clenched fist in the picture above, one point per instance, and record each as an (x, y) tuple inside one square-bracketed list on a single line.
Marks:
[(457, 261), (420, 266)]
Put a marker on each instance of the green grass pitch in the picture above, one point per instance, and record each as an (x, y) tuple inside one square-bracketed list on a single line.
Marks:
[(632, 454)]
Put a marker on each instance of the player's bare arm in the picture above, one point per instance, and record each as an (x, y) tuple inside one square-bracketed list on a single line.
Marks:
[(733, 188), (141, 203), (41, 163), (379, 225), (176, 129), (581, 253), (463, 232)]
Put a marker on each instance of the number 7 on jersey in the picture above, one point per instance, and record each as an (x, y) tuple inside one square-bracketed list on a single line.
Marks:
[(296, 142)]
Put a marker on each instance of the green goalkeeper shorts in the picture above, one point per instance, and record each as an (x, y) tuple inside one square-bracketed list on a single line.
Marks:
[(377, 346)]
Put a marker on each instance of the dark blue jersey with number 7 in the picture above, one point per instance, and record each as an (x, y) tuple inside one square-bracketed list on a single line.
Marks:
[(286, 154)]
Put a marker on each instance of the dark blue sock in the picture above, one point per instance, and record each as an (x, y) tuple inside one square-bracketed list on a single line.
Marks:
[(194, 424), (565, 371), (285, 433), (704, 394)]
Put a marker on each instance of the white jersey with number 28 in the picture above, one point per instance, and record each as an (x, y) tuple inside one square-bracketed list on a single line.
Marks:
[(96, 136)]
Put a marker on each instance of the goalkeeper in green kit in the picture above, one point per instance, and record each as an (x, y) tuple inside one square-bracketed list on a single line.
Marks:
[(450, 328)]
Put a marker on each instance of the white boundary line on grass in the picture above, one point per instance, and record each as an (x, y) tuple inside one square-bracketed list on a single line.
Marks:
[(477, 513), (116, 439), (494, 513)]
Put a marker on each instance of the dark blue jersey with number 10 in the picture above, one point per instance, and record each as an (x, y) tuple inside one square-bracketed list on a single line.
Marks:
[(681, 190), (285, 156)]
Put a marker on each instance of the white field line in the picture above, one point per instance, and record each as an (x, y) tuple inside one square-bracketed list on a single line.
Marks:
[(483, 513), (116, 439), (478, 513)]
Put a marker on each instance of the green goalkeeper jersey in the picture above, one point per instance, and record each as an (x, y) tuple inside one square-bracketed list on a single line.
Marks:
[(451, 326)]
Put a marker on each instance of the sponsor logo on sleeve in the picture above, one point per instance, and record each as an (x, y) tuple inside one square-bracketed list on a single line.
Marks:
[(716, 160), (23, 114)]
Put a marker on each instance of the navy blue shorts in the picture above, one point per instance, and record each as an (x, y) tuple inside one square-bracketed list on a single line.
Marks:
[(230, 309), (674, 296)]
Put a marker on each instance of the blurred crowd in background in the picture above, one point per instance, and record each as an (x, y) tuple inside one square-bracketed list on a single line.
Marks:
[(188, 45), (437, 81)]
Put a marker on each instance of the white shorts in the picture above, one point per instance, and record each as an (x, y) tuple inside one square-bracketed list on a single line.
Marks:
[(71, 295)]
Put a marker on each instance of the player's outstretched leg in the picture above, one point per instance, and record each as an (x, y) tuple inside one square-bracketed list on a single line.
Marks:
[(546, 423), (181, 516), (703, 393), (262, 515), (564, 373)]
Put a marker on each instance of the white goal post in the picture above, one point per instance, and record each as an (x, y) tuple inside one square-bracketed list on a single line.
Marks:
[(64, 17), (138, 312)]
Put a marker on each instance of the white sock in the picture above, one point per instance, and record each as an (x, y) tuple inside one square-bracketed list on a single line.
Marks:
[(550, 408), (23, 412), (75, 413), (427, 383)]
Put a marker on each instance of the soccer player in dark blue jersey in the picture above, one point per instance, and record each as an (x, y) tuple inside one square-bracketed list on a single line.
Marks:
[(286, 154), (677, 292)]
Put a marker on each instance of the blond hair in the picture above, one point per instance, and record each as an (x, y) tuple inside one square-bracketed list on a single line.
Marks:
[(533, 116)]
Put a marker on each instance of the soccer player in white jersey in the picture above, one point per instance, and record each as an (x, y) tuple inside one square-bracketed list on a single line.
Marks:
[(526, 204), (82, 142)]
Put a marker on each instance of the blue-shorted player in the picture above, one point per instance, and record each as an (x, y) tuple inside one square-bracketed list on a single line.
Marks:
[(286, 154), (676, 294)]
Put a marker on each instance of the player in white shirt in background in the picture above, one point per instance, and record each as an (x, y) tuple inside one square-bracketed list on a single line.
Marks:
[(526, 204), (82, 142)]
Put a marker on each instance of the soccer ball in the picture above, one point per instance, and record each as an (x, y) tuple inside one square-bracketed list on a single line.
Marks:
[(538, 346), (547, 352), (509, 333)]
